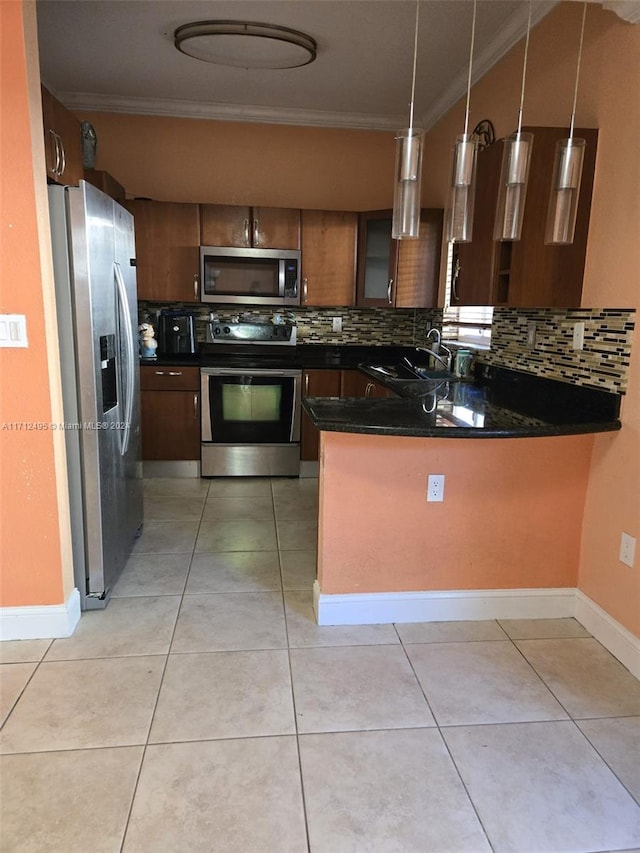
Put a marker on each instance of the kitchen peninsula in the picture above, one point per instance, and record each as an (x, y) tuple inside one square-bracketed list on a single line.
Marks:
[(505, 540)]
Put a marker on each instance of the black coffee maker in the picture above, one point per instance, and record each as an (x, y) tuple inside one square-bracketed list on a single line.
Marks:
[(176, 333)]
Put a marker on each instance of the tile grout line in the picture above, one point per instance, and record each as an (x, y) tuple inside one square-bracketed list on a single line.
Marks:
[(164, 670), (446, 745)]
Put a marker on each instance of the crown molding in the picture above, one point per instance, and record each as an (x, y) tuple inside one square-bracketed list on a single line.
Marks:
[(505, 38), (87, 101), (628, 10)]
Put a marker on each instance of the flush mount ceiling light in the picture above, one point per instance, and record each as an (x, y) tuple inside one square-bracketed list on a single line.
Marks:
[(245, 44)]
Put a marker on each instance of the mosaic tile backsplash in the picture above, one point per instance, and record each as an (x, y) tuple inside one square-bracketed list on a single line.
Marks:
[(602, 364)]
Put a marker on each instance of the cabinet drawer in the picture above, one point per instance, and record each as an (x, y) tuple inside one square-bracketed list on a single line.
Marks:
[(169, 378)]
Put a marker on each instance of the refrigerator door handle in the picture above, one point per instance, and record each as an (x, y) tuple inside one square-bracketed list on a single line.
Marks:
[(123, 304)]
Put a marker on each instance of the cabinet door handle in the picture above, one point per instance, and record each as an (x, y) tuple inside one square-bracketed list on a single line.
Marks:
[(306, 385), (195, 406), (256, 233), (390, 292), (54, 140), (305, 289), (64, 156), (370, 390), (454, 281), (247, 242), (196, 282), (168, 373)]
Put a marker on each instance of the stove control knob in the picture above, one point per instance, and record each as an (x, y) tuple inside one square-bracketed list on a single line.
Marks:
[(226, 330), (216, 331)]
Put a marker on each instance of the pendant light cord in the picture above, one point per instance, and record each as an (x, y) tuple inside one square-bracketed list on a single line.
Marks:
[(575, 91), (524, 69), (415, 59), (473, 37)]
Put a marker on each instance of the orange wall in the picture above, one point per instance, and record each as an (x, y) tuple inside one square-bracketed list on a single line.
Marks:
[(511, 517), (177, 159), (30, 541)]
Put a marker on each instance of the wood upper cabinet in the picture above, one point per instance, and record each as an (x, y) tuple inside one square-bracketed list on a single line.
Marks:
[(329, 245), (62, 141), (418, 267), (525, 272), (167, 250), (250, 227), (170, 406), (105, 182), (400, 273)]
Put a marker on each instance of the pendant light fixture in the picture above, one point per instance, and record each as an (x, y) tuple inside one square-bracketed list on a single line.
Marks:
[(408, 167), (567, 174), (459, 215), (516, 156)]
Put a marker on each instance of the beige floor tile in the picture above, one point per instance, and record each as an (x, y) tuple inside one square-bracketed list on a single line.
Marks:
[(482, 682), (237, 536), (238, 509), (618, 742), (231, 796), (450, 632), (173, 507), (541, 787), (386, 791), (153, 574), (72, 801), (240, 487), (294, 497), (127, 626), (298, 569), (13, 680), (23, 651), (175, 486), (251, 696), (541, 629), (166, 537), (234, 571), (588, 680), (355, 688), (85, 703), (299, 534), (230, 621), (304, 631)]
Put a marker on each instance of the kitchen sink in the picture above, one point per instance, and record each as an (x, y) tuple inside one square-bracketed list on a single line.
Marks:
[(405, 372)]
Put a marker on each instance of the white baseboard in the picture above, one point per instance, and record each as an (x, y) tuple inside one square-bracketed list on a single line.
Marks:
[(456, 605), (621, 643), (45, 622)]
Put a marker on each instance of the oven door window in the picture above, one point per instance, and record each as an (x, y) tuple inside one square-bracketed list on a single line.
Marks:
[(241, 276), (248, 409)]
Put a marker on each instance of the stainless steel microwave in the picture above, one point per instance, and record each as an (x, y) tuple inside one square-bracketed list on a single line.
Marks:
[(249, 276)]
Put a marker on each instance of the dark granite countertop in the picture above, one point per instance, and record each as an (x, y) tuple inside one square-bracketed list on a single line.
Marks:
[(500, 403)]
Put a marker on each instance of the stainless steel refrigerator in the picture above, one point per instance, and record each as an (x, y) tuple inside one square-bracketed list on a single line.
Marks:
[(96, 300)]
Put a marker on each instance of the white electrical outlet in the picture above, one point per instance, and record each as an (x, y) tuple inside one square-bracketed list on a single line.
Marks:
[(435, 487), (13, 330), (578, 335), (627, 549), (336, 324), (531, 335)]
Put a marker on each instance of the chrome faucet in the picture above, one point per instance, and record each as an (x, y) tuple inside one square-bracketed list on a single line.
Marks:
[(437, 346), (436, 340)]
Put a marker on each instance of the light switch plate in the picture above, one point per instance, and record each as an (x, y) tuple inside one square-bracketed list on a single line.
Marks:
[(13, 330)]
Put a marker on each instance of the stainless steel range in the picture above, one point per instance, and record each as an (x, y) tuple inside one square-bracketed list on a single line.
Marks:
[(251, 407)]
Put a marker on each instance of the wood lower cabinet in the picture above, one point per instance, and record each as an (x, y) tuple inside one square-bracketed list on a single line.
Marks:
[(398, 273), (167, 250), (249, 227), (62, 142), (170, 401), (329, 247), (315, 383), (355, 383), (526, 272)]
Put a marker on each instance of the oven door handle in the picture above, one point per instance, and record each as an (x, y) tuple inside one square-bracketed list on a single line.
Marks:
[(205, 409), (247, 371)]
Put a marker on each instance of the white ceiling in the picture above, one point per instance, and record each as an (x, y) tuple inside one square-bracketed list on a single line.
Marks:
[(118, 55)]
